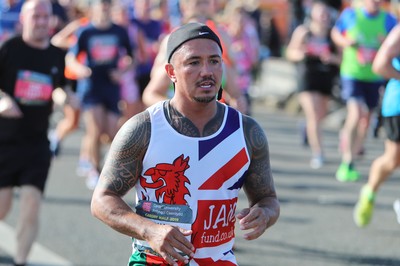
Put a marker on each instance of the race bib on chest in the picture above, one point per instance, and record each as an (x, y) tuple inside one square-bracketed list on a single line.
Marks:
[(178, 215), (103, 49), (165, 213), (316, 48), (366, 55), (33, 88)]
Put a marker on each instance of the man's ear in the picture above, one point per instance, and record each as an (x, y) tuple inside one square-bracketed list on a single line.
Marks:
[(170, 72)]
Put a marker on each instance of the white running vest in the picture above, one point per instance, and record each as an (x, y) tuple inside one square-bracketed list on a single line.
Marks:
[(193, 182)]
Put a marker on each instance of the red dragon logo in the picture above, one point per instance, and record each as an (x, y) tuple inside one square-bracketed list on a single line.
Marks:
[(169, 180)]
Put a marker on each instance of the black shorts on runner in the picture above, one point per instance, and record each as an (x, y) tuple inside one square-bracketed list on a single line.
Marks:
[(26, 164), (392, 128)]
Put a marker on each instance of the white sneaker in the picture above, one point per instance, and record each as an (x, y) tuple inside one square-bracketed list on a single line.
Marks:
[(83, 168), (92, 179), (54, 143), (317, 162), (396, 207)]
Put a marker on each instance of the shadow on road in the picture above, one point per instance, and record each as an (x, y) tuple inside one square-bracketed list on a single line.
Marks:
[(326, 256)]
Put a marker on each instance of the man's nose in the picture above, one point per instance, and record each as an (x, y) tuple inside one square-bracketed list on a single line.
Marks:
[(206, 69)]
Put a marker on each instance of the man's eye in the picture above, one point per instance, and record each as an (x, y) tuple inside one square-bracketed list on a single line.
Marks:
[(214, 61), (194, 63)]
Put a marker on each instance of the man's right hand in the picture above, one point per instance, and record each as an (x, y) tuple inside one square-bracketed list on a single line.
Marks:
[(8, 107), (166, 240)]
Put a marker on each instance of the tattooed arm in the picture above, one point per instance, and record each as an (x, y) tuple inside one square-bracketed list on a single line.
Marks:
[(264, 208), (120, 173)]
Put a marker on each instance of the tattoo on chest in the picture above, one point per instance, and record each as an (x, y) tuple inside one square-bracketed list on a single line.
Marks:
[(186, 127), (182, 124)]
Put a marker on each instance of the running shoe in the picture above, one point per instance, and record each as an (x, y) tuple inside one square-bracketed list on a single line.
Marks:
[(364, 208), (317, 162), (346, 173), (54, 143), (396, 207), (83, 168), (92, 179)]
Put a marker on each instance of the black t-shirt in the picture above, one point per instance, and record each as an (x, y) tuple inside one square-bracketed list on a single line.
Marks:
[(29, 75), (103, 48), (316, 46), (336, 4)]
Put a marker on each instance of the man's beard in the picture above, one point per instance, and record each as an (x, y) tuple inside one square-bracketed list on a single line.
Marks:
[(207, 99)]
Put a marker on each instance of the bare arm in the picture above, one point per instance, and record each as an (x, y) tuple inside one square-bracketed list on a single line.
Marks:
[(79, 69), (234, 95), (61, 38), (390, 49), (120, 173), (8, 107), (295, 51), (340, 40), (264, 207), (157, 89)]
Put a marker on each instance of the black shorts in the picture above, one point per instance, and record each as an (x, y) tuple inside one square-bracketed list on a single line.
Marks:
[(392, 128), (26, 164), (314, 81)]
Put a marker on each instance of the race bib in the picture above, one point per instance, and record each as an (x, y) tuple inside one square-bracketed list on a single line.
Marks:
[(315, 48), (165, 213), (366, 55), (33, 88), (178, 215), (103, 49)]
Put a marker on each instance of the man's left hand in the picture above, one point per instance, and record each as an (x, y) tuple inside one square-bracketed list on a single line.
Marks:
[(255, 219)]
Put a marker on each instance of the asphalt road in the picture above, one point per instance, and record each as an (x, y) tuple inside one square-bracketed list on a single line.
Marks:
[(315, 226)]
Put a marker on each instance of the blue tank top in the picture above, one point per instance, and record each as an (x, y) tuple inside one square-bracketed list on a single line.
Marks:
[(391, 98)]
